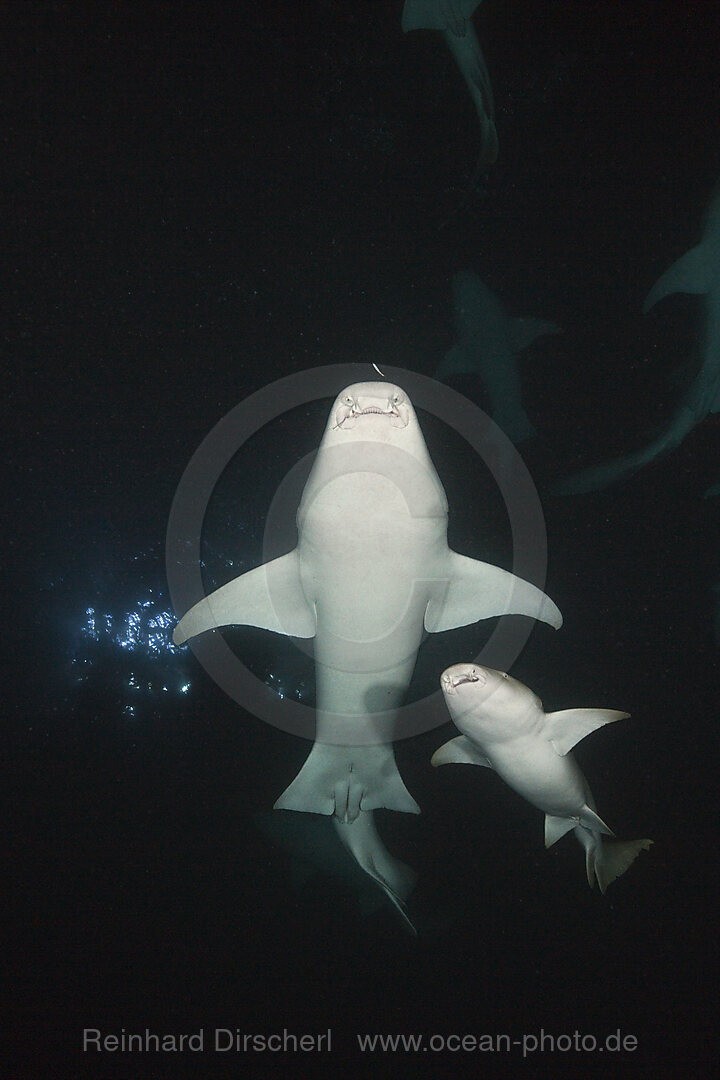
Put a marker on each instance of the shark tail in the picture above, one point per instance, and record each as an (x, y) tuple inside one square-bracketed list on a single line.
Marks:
[(362, 840), (601, 476), (398, 903), (605, 859), (611, 858), (403, 882)]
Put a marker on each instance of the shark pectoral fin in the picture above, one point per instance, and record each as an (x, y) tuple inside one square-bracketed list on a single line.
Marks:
[(524, 331), (477, 590), (270, 596), (690, 274), (555, 827), (568, 726), (459, 751), (593, 821)]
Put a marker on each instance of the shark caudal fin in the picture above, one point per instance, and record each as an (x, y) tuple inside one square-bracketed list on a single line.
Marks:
[(343, 780), (397, 880), (601, 476), (611, 858), (395, 899), (607, 859)]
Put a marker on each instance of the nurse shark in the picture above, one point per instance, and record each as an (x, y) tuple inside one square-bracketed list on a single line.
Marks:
[(505, 728), (698, 272), (371, 572)]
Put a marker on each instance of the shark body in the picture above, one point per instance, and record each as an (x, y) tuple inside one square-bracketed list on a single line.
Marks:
[(505, 728), (697, 272), (488, 344)]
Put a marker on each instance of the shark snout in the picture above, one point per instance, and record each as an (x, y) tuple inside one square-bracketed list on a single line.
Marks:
[(459, 675), (372, 399)]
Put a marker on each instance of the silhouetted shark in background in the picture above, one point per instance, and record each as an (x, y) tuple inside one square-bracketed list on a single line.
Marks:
[(454, 19), (488, 343), (696, 272)]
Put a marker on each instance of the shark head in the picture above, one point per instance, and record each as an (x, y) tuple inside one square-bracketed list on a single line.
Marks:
[(373, 430), (364, 405), (475, 694), (379, 413)]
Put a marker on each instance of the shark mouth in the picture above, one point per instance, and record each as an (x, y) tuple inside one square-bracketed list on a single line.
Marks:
[(350, 411), (450, 683)]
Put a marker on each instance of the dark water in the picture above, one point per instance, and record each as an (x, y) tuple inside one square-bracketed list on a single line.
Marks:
[(202, 199)]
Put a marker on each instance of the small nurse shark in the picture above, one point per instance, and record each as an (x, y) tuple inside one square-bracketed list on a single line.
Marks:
[(454, 19), (488, 344), (698, 272), (505, 728), (371, 572)]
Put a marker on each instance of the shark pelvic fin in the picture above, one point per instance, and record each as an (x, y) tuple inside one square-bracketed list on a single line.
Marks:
[(337, 780), (568, 726), (593, 821), (555, 827)]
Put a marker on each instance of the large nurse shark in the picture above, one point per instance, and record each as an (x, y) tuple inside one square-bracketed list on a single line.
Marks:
[(454, 19), (698, 271), (505, 728), (371, 572)]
